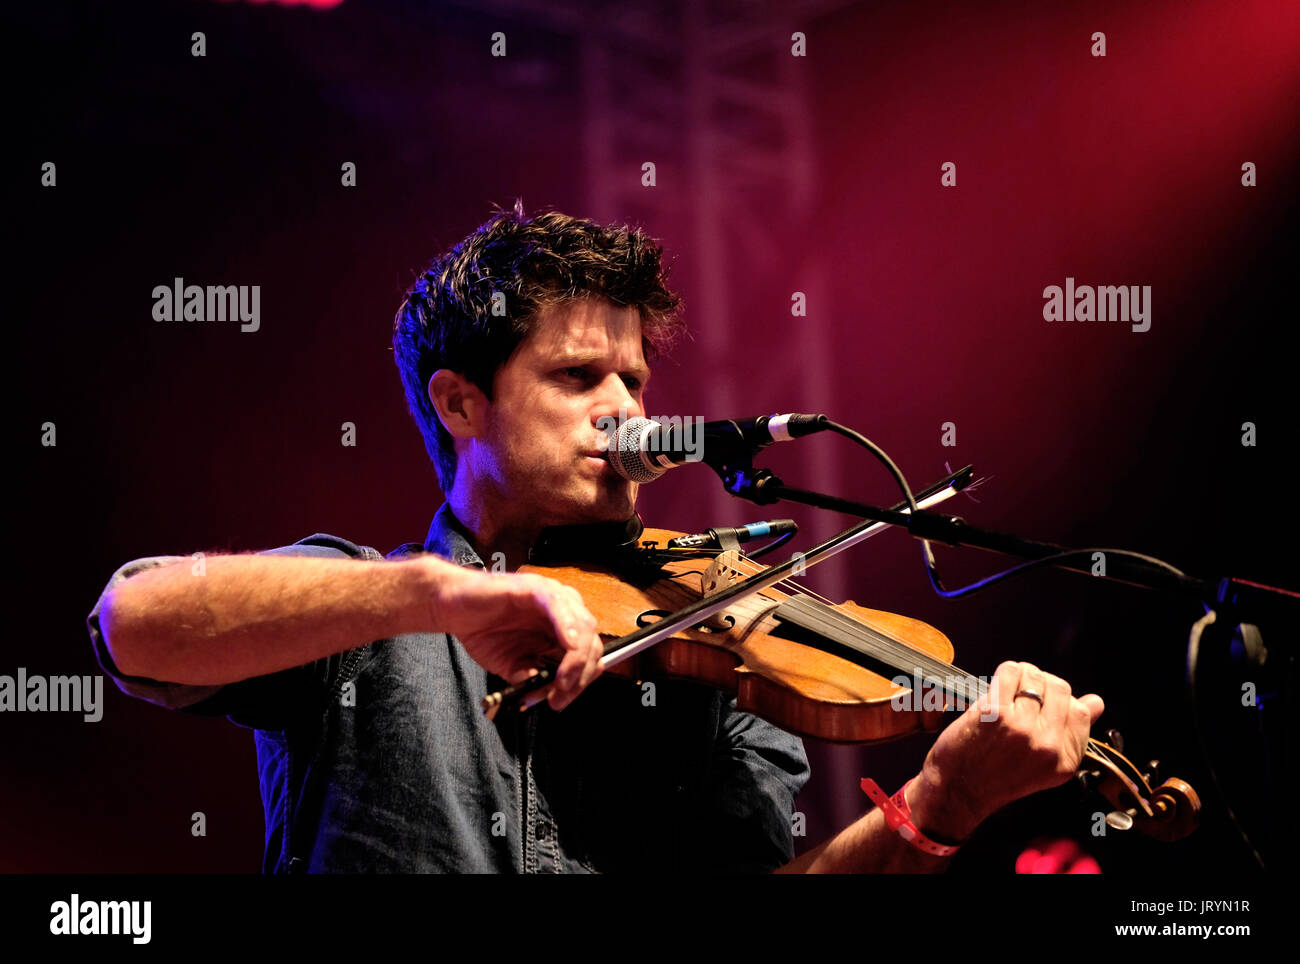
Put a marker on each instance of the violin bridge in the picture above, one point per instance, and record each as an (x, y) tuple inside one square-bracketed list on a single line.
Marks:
[(722, 572)]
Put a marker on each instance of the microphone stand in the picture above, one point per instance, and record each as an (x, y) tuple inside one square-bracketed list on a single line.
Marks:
[(764, 488)]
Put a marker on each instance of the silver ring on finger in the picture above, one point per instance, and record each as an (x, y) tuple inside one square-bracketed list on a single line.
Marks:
[(1032, 694)]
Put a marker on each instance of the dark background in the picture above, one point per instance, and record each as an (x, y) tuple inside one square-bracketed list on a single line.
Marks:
[(821, 176)]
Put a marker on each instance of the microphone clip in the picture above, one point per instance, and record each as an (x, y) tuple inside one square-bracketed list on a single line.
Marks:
[(760, 486)]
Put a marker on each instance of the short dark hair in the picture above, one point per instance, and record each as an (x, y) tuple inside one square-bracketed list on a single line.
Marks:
[(447, 319)]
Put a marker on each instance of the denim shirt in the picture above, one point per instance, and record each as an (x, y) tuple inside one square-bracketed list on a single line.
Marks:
[(379, 759)]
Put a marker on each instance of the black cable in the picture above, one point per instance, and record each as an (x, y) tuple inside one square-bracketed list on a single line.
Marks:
[(1198, 712), (774, 544), (879, 453), (1044, 560), (927, 554)]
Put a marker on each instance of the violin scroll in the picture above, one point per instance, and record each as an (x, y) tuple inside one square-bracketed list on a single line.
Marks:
[(1168, 812)]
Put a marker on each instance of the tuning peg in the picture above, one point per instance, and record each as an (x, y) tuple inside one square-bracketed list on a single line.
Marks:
[(1152, 776), (1121, 819), (1088, 779), (1116, 739)]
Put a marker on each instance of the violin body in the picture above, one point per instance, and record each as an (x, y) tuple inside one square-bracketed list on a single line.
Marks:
[(750, 651)]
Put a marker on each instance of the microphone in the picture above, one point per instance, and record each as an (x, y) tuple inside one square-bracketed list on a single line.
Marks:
[(642, 449), (727, 537)]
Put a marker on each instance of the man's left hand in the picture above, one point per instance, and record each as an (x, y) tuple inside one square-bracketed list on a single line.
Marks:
[(979, 764)]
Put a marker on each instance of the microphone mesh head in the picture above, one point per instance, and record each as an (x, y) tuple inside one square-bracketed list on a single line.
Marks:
[(625, 451)]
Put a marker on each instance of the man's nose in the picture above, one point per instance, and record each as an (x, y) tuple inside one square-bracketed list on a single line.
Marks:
[(615, 397)]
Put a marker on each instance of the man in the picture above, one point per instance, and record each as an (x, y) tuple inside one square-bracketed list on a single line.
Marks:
[(362, 676)]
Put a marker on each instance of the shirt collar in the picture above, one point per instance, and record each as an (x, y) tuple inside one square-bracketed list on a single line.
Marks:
[(449, 539)]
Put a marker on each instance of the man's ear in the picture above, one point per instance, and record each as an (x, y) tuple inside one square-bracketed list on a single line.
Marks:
[(460, 404)]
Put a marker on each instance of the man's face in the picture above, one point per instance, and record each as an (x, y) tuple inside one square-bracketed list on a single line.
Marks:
[(542, 454)]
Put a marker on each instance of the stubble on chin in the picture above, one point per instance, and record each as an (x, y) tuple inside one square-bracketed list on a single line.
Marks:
[(615, 500)]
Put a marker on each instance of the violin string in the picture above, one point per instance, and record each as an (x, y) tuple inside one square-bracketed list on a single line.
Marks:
[(853, 622), (832, 621), (787, 582), (801, 591), (873, 642), (818, 597), (1095, 748), (902, 656), (898, 654)]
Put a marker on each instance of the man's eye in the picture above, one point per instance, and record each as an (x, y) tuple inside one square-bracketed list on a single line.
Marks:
[(632, 382), (575, 372)]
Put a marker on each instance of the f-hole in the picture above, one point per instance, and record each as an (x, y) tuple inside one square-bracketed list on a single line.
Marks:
[(651, 616)]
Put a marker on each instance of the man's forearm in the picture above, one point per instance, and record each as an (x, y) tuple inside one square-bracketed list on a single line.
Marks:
[(868, 846), (251, 615)]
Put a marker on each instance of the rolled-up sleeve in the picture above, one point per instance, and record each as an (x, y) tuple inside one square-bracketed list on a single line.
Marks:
[(758, 771), (172, 696), (258, 702)]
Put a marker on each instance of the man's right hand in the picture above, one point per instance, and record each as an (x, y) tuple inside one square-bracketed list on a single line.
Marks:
[(507, 621)]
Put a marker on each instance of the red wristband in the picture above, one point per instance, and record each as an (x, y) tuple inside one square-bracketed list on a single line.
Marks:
[(898, 815)]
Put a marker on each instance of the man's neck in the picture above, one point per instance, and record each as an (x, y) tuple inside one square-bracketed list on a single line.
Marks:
[(492, 531)]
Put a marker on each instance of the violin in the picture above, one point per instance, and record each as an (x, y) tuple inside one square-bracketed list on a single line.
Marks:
[(830, 671)]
